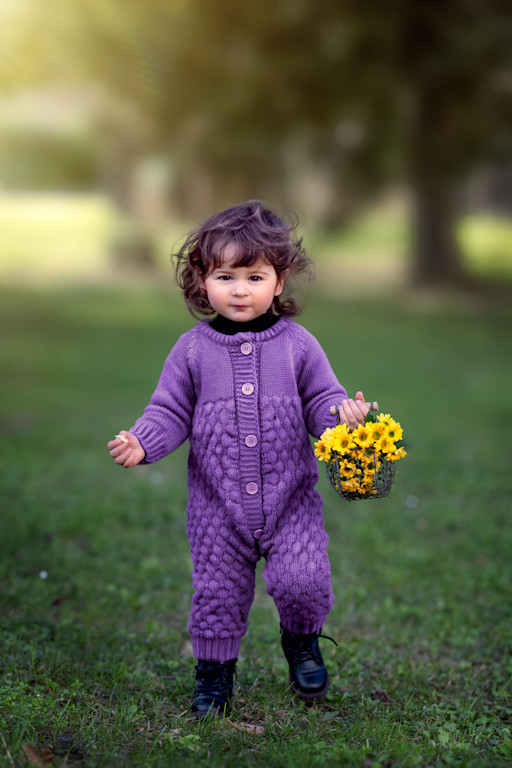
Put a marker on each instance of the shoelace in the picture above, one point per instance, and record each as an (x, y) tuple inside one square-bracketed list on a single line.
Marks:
[(308, 649)]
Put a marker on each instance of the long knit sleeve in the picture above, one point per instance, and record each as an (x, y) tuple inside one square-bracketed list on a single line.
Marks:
[(318, 386), (167, 419)]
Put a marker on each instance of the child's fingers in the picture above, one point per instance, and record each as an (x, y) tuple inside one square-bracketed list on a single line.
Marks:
[(123, 438), (348, 413), (361, 402), (119, 450), (123, 460), (126, 449), (353, 412), (126, 458), (127, 461)]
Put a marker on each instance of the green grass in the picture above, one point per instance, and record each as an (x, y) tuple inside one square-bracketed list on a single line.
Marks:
[(96, 659)]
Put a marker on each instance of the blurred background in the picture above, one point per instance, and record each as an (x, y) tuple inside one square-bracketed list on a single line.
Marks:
[(384, 126)]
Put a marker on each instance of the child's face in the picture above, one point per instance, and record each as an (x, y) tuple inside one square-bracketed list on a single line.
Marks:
[(242, 293)]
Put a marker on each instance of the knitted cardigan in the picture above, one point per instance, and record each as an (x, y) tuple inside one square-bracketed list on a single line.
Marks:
[(246, 402)]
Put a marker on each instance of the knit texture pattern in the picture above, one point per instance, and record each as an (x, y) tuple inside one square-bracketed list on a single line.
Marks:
[(248, 403)]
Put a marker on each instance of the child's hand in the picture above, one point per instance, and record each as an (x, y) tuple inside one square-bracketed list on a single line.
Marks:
[(352, 412), (126, 449)]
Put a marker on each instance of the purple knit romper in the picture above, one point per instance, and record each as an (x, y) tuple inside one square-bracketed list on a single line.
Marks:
[(247, 402)]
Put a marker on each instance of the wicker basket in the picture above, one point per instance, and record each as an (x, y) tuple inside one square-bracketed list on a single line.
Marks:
[(382, 485), (383, 476)]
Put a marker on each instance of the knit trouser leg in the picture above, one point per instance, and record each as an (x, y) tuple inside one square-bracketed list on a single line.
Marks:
[(298, 574), (223, 577)]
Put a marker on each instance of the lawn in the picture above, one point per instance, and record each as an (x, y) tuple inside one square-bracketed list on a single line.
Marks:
[(96, 664)]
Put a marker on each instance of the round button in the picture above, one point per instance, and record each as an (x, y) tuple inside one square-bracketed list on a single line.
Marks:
[(247, 389), (258, 533), (251, 488), (251, 441), (246, 348)]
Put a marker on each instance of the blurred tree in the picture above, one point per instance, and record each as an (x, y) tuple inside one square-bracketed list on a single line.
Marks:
[(243, 96), (368, 91), (444, 66)]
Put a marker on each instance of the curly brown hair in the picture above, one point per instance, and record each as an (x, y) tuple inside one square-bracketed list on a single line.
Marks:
[(258, 233)]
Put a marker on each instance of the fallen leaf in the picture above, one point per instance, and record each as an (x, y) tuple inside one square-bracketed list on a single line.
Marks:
[(39, 757), (253, 728), (248, 727)]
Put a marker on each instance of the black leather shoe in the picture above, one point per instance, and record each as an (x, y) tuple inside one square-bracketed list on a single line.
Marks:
[(213, 688), (308, 675)]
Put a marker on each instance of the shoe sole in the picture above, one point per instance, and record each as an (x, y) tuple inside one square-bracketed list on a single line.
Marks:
[(308, 696), (216, 714)]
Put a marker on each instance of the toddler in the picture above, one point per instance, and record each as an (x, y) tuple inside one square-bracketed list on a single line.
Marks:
[(247, 389)]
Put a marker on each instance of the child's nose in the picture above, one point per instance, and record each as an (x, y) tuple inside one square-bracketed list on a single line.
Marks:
[(239, 288)]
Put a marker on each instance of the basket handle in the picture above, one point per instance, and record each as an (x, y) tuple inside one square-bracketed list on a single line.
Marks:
[(373, 406)]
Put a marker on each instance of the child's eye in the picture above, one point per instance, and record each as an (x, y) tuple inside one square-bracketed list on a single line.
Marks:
[(255, 278), (224, 277)]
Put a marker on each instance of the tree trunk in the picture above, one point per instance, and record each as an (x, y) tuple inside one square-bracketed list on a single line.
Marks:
[(436, 258)]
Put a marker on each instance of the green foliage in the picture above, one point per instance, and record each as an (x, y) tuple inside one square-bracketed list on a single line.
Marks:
[(96, 663), (37, 160), (487, 243), (257, 88)]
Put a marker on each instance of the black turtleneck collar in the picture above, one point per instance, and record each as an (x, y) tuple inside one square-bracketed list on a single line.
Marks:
[(257, 324)]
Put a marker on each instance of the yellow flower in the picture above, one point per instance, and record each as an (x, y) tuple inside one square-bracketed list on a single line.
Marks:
[(322, 450), (384, 418), (361, 435), (385, 445), (368, 457), (394, 431), (376, 430), (356, 457), (327, 436), (398, 453), (369, 463), (342, 442), (335, 437), (350, 486)]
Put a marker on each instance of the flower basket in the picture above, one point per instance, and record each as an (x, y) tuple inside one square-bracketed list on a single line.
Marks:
[(361, 462)]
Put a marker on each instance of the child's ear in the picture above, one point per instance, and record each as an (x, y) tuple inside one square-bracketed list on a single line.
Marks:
[(281, 279), (201, 280)]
